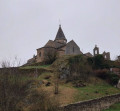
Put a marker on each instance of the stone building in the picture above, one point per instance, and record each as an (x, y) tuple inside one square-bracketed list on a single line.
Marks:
[(96, 50), (88, 54), (106, 55), (119, 58), (59, 46)]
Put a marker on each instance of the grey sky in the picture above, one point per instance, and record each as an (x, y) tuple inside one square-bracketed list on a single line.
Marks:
[(26, 25)]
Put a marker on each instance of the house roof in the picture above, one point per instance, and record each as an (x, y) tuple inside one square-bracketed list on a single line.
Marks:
[(60, 34)]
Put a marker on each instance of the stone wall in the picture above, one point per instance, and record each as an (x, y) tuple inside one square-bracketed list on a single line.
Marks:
[(44, 52), (72, 48), (93, 105), (106, 55), (40, 55)]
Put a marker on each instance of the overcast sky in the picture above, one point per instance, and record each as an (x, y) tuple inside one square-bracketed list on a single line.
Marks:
[(26, 25)]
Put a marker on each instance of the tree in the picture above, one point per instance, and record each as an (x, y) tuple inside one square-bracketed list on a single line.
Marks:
[(12, 89), (50, 56)]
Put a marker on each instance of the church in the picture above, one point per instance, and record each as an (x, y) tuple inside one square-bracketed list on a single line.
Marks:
[(59, 45)]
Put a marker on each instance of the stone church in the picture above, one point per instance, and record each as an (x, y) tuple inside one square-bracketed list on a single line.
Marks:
[(59, 45)]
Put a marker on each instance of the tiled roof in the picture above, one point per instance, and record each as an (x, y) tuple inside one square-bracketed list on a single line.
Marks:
[(53, 44)]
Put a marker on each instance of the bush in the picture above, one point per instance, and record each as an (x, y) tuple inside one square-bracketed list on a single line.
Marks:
[(12, 91), (98, 62), (79, 68), (16, 94), (113, 79), (103, 74), (41, 101), (108, 76)]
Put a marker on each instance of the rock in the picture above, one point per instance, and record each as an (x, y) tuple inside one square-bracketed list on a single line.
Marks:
[(118, 85), (65, 71), (47, 77), (79, 84), (48, 84)]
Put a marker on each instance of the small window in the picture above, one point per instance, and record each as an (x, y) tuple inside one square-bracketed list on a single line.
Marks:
[(73, 49), (40, 54)]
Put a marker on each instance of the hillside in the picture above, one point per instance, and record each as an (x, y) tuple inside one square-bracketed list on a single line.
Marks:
[(45, 87), (76, 80)]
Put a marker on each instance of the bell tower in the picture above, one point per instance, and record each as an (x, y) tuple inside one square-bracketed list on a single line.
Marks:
[(96, 50), (60, 37)]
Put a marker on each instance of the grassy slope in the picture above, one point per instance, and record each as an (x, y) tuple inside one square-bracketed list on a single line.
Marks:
[(67, 92), (33, 67), (70, 94), (115, 107), (95, 91)]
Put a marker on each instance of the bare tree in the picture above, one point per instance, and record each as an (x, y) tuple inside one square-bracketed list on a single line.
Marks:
[(12, 89), (15, 62), (50, 56), (15, 93), (56, 82)]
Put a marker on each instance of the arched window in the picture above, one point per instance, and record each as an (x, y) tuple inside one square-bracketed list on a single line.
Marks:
[(96, 52), (105, 57), (40, 54)]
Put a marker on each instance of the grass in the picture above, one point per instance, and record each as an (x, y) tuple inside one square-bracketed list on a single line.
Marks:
[(69, 94), (115, 107), (45, 74), (95, 91), (34, 67), (95, 88)]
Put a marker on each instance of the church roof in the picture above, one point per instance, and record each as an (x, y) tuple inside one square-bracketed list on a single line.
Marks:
[(88, 54), (53, 44), (60, 34)]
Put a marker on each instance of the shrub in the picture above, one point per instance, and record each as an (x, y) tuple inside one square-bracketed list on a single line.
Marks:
[(17, 94), (12, 91), (79, 68), (113, 79), (98, 62), (50, 56), (103, 74), (108, 76), (41, 101)]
